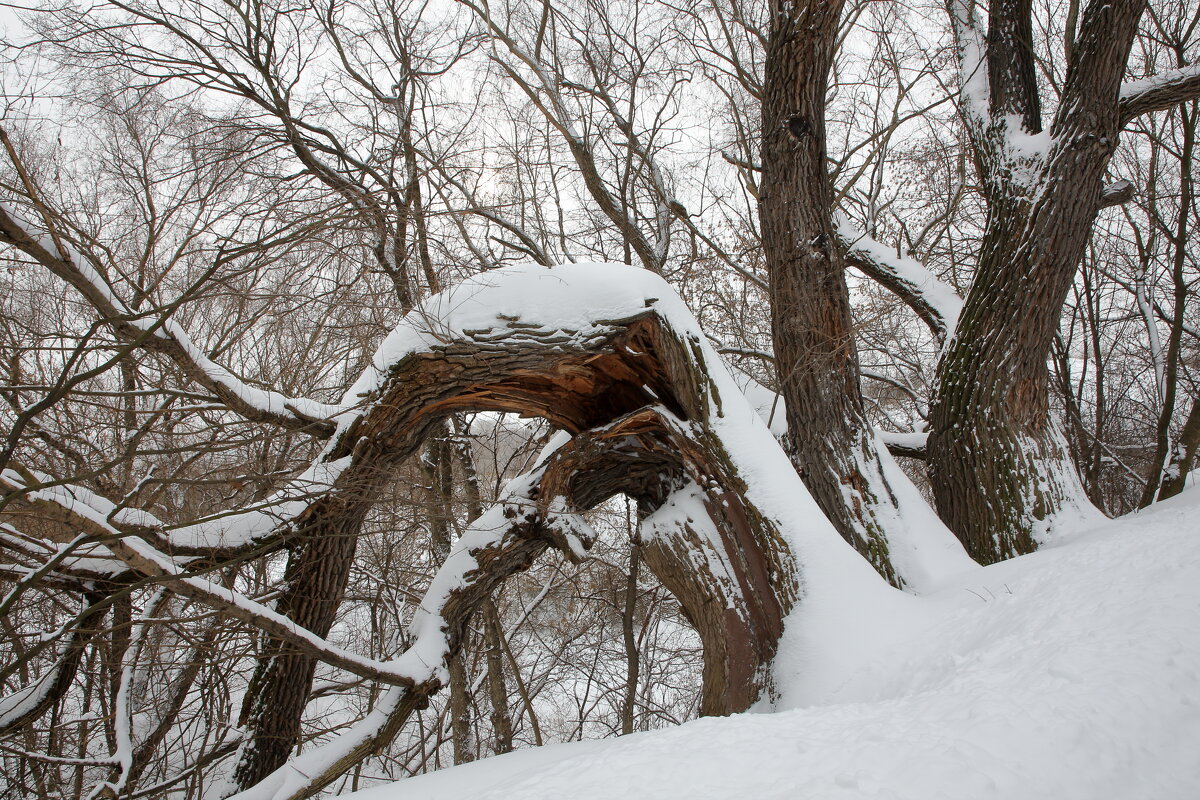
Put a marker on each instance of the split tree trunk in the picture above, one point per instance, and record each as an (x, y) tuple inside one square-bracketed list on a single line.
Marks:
[(643, 404), (997, 462)]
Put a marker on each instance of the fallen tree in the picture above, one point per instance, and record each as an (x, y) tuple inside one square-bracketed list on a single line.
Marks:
[(609, 355)]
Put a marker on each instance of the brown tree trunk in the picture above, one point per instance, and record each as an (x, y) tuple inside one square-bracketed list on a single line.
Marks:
[(437, 471), (829, 439), (633, 665), (317, 572), (493, 628), (493, 637), (996, 460), (1183, 458), (1163, 457)]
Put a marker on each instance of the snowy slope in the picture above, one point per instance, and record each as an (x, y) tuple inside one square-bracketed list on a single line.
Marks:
[(1072, 673)]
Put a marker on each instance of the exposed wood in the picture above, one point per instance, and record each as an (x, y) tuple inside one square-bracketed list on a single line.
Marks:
[(639, 398)]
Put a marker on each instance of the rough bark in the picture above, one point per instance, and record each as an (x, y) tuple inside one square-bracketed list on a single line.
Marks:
[(494, 643), (314, 583), (996, 461), (493, 638), (1183, 458), (732, 572), (828, 439), (437, 472)]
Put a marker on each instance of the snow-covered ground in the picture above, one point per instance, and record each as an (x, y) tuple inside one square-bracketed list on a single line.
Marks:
[(1072, 673)]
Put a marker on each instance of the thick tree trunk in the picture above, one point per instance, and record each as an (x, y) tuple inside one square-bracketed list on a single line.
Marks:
[(829, 439), (997, 463), (317, 573)]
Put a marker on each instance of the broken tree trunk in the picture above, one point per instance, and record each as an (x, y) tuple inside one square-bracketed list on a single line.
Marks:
[(605, 352), (641, 398)]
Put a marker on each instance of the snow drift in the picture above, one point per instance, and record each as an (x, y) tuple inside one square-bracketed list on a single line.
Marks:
[(1071, 673)]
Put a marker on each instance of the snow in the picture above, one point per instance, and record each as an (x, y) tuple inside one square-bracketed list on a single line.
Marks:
[(940, 296), (261, 400), (1072, 673), (1057, 674), (973, 74), (1131, 89), (922, 549), (685, 508), (575, 300)]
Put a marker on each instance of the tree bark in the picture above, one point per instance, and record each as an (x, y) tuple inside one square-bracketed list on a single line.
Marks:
[(317, 573), (1163, 456), (493, 637), (997, 463), (1183, 458), (829, 439), (632, 662)]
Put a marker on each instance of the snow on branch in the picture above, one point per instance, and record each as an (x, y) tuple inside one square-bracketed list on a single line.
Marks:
[(971, 44), (28, 703), (161, 335), (1159, 92), (501, 542), (934, 301), (146, 560)]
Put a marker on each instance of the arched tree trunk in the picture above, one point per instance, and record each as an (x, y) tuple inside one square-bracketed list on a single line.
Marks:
[(607, 353), (641, 396)]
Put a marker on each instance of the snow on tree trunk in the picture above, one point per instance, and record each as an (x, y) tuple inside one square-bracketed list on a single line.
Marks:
[(611, 355), (1183, 456), (650, 404), (997, 461), (829, 439)]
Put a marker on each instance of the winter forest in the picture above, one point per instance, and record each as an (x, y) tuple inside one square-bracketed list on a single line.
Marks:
[(394, 384)]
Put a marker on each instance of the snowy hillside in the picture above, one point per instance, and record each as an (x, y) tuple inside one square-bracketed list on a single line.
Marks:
[(1072, 673)]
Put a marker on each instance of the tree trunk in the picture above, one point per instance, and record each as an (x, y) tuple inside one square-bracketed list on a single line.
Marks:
[(317, 572), (437, 471), (1164, 458), (493, 629), (1183, 458), (829, 439), (493, 637), (633, 665), (997, 462)]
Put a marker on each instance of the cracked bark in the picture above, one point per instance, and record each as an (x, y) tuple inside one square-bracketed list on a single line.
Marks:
[(829, 439), (996, 461)]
